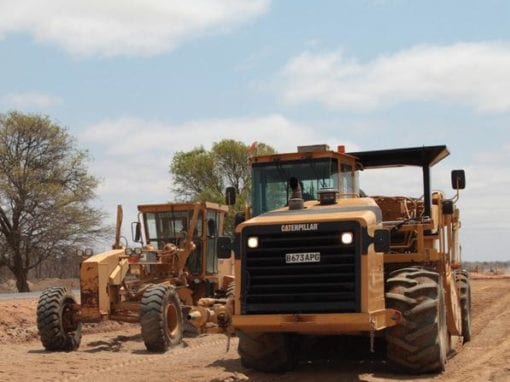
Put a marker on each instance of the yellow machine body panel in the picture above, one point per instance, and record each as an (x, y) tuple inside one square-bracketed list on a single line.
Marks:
[(318, 324), (95, 281), (104, 292), (372, 312), (421, 233)]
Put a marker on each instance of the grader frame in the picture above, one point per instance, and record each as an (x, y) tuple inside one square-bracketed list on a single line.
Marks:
[(175, 270)]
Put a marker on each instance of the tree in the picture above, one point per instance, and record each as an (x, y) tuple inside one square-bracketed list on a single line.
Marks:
[(45, 191), (196, 175), (201, 175)]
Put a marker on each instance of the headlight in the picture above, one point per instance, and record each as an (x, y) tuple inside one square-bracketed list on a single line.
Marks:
[(89, 252), (346, 238), (253, 242)]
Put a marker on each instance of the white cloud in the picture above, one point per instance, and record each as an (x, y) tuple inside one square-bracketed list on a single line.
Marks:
[(472, 74), (487, 185), (117, 27), (484, 203), (132, 156), (141, 136), (30, 100)]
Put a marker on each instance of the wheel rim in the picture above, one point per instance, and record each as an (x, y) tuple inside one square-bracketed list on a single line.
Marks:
[(172, 321), (69, 324)]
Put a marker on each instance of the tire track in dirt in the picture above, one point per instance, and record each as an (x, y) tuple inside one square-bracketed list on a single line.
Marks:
[(190, 348), (487, 356), (120, 355)]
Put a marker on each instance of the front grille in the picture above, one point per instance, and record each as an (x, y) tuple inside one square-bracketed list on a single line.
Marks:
[(270, 285)]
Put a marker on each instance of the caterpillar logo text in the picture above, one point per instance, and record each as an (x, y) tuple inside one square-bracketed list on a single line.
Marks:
[(300, 227)]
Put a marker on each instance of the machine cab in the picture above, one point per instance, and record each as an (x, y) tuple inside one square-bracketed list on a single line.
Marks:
[(176, 223), (315, 167)]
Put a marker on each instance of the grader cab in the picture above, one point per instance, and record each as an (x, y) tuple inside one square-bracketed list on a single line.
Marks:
[(173, 270), (318, 257)]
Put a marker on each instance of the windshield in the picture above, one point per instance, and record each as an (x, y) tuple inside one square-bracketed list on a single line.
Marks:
[(166, 227), (270, 188)]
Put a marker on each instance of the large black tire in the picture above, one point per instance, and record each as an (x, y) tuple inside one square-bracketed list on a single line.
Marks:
[(419, 344), (268, 352), (161, 318), (56, 323), (464, 290)]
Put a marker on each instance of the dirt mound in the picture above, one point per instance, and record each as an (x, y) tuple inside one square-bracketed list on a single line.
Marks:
[(9, 286), (18, 322)]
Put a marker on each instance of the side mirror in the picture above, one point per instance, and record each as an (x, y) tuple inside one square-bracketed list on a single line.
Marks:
[(239, 218), (230, 196), (136, 231), (223, 247), (458, 179), (382, 240)]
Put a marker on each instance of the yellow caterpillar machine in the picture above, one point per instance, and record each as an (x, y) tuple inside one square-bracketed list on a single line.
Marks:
[(318, 257), (176, 268)]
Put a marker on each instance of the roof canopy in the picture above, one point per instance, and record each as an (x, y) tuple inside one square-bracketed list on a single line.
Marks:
[(169, 207), (425, 156)]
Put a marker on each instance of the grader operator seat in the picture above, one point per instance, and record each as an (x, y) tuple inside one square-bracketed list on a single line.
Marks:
[(176, 230)]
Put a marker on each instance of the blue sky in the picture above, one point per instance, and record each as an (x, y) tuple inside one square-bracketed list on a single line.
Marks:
[(136, 82)]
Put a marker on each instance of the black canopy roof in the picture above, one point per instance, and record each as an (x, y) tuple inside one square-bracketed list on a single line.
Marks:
[(425, 156)]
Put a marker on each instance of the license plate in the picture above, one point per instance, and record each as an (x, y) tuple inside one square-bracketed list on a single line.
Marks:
[(309, 257)]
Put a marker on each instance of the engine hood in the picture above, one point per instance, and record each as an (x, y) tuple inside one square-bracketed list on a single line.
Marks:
[(364, 210)]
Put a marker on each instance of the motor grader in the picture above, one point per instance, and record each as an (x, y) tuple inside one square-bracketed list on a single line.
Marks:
[(315, 256), (174, 270)]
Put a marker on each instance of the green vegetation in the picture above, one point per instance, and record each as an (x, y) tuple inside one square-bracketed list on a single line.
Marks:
[(45, 191), (202, 175)]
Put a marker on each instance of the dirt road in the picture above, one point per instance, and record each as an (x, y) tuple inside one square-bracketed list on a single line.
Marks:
[(115, 352)]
